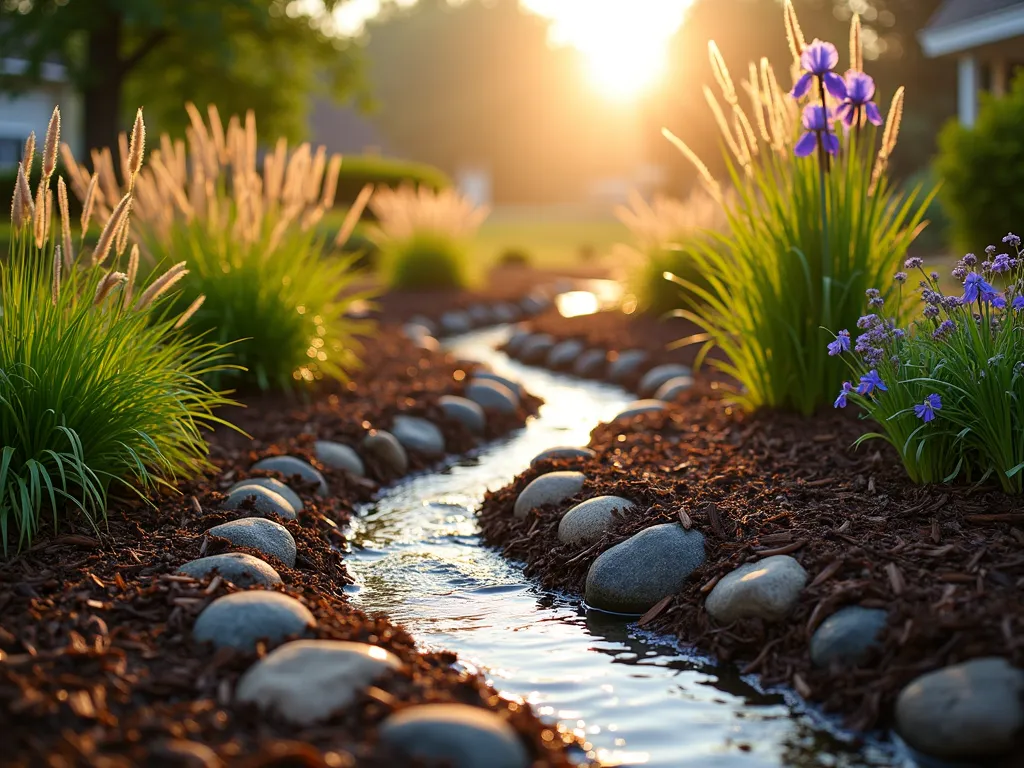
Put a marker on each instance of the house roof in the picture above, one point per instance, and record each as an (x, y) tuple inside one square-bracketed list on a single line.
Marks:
[(960, 25)]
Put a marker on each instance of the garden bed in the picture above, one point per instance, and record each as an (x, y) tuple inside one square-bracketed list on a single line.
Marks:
[(945, 562), (99, 666)]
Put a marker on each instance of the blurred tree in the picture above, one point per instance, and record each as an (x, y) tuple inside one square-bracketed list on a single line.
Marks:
[(269, 55)]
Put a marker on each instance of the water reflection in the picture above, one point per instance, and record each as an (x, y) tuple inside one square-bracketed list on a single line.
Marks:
[(589, 297)]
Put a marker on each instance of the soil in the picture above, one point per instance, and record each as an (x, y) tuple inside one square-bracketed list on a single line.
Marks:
[(97, 664), (946, 562)]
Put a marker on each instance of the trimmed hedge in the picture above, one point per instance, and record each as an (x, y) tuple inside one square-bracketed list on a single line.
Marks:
[(359, 170)]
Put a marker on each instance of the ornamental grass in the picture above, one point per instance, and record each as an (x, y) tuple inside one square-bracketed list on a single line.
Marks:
[(101, 385), (815, 221), (275, 290)]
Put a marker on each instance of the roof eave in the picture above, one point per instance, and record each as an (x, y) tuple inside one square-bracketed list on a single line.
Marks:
[(990, 28)]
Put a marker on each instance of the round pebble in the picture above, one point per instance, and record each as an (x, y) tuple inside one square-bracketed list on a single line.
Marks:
[(262, 499), (564, 353), (275, 485), (241, 619), (236, 567), (535, 349), (424, 321), (464, 411), (456, 322), (493, 396), (587, 522), (672, 388), (626, 364), (515, 386), (261, 534), (505, 313), (640, 406), (847, 635), (481, 314), (290, 467), (339, 456), (385, 448), (563, 452), (657, 376), (590, 364), (767, 589), (548, 489), (516, 341), (418, 435)]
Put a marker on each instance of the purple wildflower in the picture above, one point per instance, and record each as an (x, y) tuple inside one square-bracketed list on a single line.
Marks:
[(970, 259), (931, 311), (816, 126), (1001, 263), (950, 302), (960, 272), (871, 381), (1012, 239), (860, 90), (945, 328), (976, 287), (914, 262), (990, 249), (900, 277), (843, 393), (841, 344), (926, 410), (818, 60), (867, 321), (1018, 302)]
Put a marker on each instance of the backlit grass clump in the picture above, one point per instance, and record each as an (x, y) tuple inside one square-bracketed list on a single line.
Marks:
[(248, 236), (814, 224), (424, 237), (100, 385)]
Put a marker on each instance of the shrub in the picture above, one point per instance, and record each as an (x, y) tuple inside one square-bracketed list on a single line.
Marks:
[(948, 391), (384, 172), (423, 237), (514, 257), (807, 236), (99, 387), (664, 233), (981, 169), (251, 243)]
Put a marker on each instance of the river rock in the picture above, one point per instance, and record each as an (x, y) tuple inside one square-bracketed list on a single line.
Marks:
[(426, 322), (339, 456), (657, 376), (307, 681), (454, 734), (564, 353), (516, 341), (385, 448), (590, 364), (493, 396), (534, 304), (236, 567), (506, 313), (455, 322), (481, 314), (428, 343), (241, 619), (548, 489), (415, 331), (640, 406), (966, 711), (847, 635), (275, 485), (634, 575), (626, 364), (261, 534), (767, 589), (587, 522), (515, 386), (181, 753), (535, 349), (418, 435), (672, 388), (464, 411), (563, 452), (291, 467), (262, 499)]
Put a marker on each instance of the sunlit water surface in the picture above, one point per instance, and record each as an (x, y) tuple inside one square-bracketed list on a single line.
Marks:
[(637, 699)]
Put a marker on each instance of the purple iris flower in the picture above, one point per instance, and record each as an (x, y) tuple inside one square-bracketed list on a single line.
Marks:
[(1001, 263), (816, 124), (926, 410), (976, 287), (841, 344), (1018, 302), (841, 400), (818, 60), (871, 381), (860, 90)]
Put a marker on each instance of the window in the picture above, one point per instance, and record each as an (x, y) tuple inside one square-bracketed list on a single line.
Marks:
[(10, 153)]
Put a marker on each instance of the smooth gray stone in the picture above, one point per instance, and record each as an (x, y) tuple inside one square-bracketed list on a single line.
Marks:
[(268, 537), (587, 522), (590, 364), (564, 353), (384, 447), (534, 304), (966, 711), (625, 365), (419, 435), (535, 349), (275, 485), (640, 406), (516, 341), (845, 637), (654, 378), (548, 489), (563, 452), (481, 314), (493, 396), (671, 389), (307, 681), (456, 734), (635, 574), (415, 331), (339, 456), (506, 313), (426, 322), (428, 343), (241, 619), (455, 322), (767, 589), (236, 567), (515, 386), (263, 500), (464, 411), (182, 753), (290, 467)]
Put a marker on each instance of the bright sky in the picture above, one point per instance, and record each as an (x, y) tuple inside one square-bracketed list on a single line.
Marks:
[(624, 42)]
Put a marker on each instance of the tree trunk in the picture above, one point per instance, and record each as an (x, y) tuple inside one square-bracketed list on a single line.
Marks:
[(102, 93)]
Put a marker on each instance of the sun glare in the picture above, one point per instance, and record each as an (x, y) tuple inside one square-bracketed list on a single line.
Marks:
[(624, 42)]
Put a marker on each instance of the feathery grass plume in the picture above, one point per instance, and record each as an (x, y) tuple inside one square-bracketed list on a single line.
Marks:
[(331, 182), (122, 151), (744, 129), (316, 176), (65, 220), (22, 200), (136, 147), (161, 285), (856, 45), (731, 140), (758, 102), (721, 73), (28, 154), (709, 181), (110, 281), (348, 225), (79, 178), (131, 275), (890, 135), (39, 222), (55, 282), (121, 240), (48, 220), (188, 313), (794, 35), (110, 230), (50, 145), (88, 202), (217, 132)]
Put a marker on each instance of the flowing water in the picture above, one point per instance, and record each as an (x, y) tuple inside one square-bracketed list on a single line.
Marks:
[(636, 699)]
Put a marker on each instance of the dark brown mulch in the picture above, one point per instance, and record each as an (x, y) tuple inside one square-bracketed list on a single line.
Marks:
[(946, 562), (97, 664)]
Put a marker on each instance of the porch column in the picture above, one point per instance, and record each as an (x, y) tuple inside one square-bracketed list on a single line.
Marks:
[(999, 77), (967, 90)]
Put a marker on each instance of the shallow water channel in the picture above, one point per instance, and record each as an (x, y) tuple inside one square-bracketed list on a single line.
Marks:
[(636, 698)]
